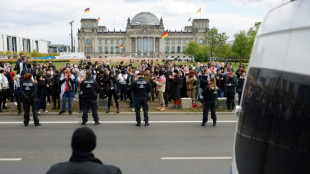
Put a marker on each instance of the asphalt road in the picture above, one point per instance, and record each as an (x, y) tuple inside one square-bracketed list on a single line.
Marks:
[(134, 149)]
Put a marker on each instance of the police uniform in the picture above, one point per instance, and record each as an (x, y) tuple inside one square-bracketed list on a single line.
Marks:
[(209, 103), (29, 94), (89, 92), (141, 89)]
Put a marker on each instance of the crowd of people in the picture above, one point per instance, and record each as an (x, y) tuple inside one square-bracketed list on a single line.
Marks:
[(169, 81)]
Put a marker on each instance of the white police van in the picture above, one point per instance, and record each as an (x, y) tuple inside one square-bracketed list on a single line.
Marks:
[(273, 130)]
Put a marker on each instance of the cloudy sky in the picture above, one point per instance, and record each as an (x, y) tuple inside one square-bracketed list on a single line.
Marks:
[(49, 19)]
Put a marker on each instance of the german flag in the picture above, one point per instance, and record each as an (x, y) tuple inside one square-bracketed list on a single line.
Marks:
[(86, 10), (121, 46), (164, 35), (199, 11)]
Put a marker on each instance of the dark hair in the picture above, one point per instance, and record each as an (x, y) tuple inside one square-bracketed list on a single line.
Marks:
[(88, 74), (27, 76)]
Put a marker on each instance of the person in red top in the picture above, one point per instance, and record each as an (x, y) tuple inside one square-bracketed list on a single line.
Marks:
[(66, 81), (11, 72)]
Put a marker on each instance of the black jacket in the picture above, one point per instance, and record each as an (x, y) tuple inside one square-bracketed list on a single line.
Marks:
[(240, 84), (89, 88), (29, 90), (141, 88), (55, 84), (83, 162), (41, 87), (234, 83), (209, 96), (175, 86), (17, 66)]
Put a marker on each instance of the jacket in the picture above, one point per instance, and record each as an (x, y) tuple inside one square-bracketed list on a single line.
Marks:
[(175, 86), (234, 83), (161, 86), (29, 90), (141, 88), (4, 84), (83, 162), (191, 84), (89, 88), (209, 96), (62, 81), (240, 84)]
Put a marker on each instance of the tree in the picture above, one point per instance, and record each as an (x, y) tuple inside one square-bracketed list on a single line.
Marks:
[(224, 51), (192, 49), (252, 34), (215, 40), (241, 45), (9, 53)]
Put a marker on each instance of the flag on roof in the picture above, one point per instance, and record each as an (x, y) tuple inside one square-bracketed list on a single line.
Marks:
[(199, 11), (98, 20), (165, 34), (86, 10), (121, 46), (190, 19)]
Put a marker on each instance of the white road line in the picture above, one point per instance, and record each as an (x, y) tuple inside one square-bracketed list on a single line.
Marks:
[(196, 158), (10, 159), (109, 122)]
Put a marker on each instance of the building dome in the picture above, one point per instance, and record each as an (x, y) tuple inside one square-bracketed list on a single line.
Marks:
[(144, 18)]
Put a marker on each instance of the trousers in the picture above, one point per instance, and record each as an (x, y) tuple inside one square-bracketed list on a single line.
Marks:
[(92, 102), (144, 103)]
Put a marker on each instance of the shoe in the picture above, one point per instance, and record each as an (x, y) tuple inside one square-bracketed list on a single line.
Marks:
[(45, 110), (214, 123), (133, 110), (108, 110), (83, 123), (4, 107), (70, 112), (15, 103), (174, 107), (203, 123), (25, 125), (89, 111), (141, 110), (166, 106), (61, 112), (19, 112), (138, 124), (163, 109), (147, 124), (97, 122), (39, 112), (159, 107), (39, 124), (117, 110), (80, 111)]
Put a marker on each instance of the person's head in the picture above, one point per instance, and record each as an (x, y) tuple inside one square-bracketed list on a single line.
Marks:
[(222, 65), (243, 74), (17, 77), (212, 83), (230, 74), (147, 70), (88, 74), (83, 139), (68, 70), (22, 56), (140, 75), (111, 74), (57, 71), (27, 76)]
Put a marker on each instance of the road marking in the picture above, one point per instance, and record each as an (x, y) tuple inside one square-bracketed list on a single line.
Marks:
[(196, 158), (10, 159), (110, 122)]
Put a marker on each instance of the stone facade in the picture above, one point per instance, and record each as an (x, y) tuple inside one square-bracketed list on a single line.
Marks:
[(142, 38)]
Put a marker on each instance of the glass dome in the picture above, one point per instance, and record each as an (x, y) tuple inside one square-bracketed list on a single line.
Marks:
[(144, 18)]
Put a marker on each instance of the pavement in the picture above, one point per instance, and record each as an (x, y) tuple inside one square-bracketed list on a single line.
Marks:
[(174, 143)]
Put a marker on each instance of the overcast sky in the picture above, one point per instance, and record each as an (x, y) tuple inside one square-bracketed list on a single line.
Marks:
[(49, 19)]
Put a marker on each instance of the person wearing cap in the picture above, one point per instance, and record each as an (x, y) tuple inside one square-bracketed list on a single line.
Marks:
[(66, 81), (89, 91), (230, 87), (29, 94), (141, 89), (82, 160)]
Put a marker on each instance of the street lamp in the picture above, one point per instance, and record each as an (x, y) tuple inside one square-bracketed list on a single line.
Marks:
[(71, 36)]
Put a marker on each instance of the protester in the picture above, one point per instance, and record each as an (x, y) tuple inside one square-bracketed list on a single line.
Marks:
[(191, 83), (66, 81), (230, 85), (161, 83), (17, 93), (112, 87)]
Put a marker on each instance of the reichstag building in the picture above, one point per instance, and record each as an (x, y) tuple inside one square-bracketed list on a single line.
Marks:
[(142, 38)]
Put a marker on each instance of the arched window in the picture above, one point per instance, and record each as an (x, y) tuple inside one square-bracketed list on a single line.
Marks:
[(106, 49), (111, 49), (184, 48), (100, 49), (172, 49), (166, 49)]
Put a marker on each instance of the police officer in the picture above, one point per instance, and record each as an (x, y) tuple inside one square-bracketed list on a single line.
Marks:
[(89, 92), (29, 94), (141, 89), (209, 94)]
